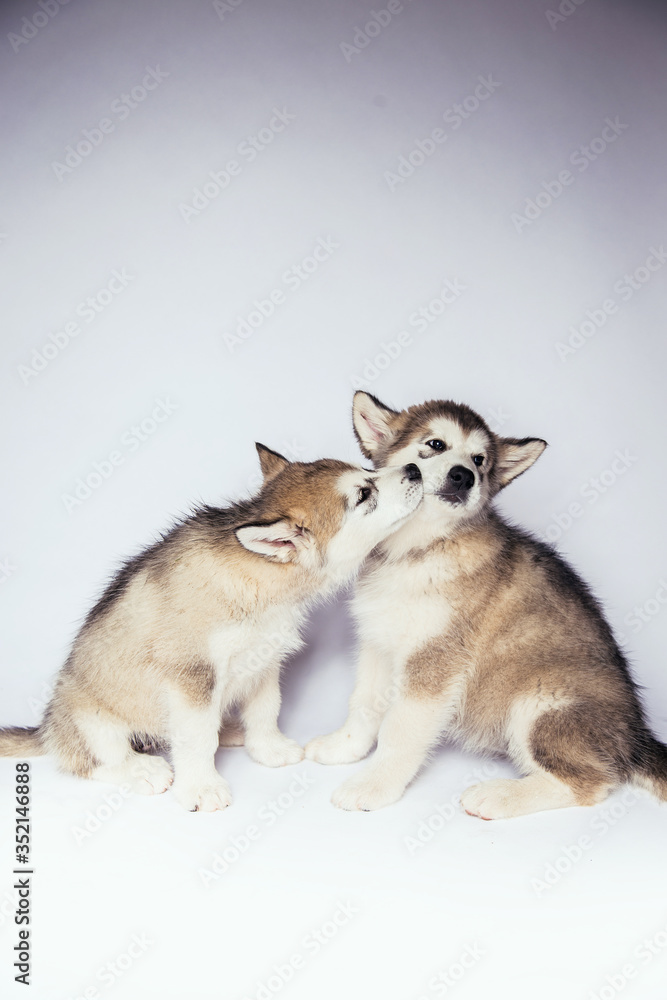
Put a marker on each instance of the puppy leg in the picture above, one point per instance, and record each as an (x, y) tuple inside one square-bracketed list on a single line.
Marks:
[(568, 755), (373, 692), (193, 734), (264, 741), (408, 731), (503, 798), (109, 742)]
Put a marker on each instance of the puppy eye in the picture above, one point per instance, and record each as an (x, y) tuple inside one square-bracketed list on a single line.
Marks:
[(478, 459), (363, 494), (436, 444)]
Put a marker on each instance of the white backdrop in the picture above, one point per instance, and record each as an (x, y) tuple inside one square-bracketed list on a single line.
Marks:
[(217, 220)]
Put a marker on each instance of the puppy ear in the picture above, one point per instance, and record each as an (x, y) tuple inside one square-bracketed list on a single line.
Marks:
[(279, 541), (374, 423), (516, 456), (270, 461)]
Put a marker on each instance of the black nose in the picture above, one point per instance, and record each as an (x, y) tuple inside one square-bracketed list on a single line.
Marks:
[(412, 472), (460, 477)]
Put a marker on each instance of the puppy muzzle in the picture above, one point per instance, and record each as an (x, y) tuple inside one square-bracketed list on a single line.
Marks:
[(457, 485)]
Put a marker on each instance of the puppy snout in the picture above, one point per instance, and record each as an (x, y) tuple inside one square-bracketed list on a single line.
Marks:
[(460, 479), (412, 472)]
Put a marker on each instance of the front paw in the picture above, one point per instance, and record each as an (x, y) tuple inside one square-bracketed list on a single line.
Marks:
[(209, 796), (365, 792), (151, 775), (337, 748), (277, 752)]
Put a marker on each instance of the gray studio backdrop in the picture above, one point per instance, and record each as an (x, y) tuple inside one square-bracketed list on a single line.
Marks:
[(217, 220)]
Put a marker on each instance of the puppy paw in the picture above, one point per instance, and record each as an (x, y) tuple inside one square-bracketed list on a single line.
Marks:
[(496, 799), (277, 752), (336, 748), (209, 797), (142, 774), (151, 775), (365, 793)]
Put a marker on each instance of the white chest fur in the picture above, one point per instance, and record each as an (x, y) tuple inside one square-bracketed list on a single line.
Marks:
[(241, 651), (400, 606)]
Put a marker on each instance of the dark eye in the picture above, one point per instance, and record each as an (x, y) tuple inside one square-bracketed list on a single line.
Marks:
[(478, 459), (436, 444), (363, 494)]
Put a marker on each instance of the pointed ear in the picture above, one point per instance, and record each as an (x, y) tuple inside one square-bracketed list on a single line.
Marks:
[(270, 461), (516, 456), (279, 541), (373, 423)]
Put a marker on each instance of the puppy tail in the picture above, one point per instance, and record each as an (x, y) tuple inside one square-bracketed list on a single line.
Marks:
[(21, 742), (651, 773)]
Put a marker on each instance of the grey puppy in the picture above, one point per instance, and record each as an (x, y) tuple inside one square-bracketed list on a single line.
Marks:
[(471, 628), (199, 624)]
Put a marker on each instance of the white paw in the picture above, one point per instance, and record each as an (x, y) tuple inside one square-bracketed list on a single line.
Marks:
[(208, 797), (496, 799), (277, 752), (366, 792), (336, 748), (150, 775)]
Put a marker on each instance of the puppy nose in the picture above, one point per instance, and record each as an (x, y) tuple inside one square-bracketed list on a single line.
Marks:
[(460, 477), (412, 472)]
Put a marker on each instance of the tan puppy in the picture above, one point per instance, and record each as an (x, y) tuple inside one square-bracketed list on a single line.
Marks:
[(199, 623), (471, 628)]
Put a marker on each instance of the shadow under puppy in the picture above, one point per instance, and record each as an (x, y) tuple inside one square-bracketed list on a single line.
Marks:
[(472, 628), (201, 620)]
